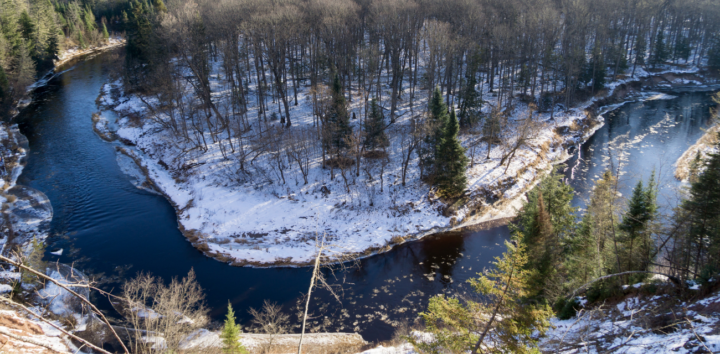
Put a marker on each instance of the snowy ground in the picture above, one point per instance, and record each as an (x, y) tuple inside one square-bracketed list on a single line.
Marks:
[(706, 145), (638, 323), (251, 218)]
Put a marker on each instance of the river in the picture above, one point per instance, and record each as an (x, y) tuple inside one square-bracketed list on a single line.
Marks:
[(112, 230)]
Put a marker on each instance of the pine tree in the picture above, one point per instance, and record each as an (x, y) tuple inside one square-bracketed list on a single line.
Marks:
[(544, 225), (230, 334), (660, 53), (512, 321), (470, 102), (714, 54), (338, 121), (451, 161), (374, 128), (704, 208), (682, 48), (436, 124), (105, 33), (637, 239)]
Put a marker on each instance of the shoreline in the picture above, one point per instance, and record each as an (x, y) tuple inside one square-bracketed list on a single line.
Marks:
[(492, 215), (703, 146), (13, 195)]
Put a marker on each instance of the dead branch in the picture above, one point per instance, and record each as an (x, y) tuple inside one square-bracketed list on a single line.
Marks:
[(63, 286), (94, 347)]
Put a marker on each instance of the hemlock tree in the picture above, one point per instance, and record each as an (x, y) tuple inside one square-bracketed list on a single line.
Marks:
[(451, 161), (374, 128), (230, 335)]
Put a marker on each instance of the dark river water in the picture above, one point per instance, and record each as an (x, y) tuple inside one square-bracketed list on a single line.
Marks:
[(112, 230)]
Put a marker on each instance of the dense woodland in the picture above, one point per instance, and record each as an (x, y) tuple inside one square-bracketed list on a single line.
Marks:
[(34, 32), (383, 54)]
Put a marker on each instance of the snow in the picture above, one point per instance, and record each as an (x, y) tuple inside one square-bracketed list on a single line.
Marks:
[(627, 328), (250, 218), (4, 288)]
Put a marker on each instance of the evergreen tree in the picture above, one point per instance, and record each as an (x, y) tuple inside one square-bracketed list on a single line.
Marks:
[(682, 48), (545, 225), (703, 206), (637, 239), (595, 71), (89, 19), (230, 334), (437, 121), (512, 321), (338, 121), (374, 128), (584, 259), (660, 52), (451, 161), (470, 102), (105, 33), (639, 50), (714, 54)]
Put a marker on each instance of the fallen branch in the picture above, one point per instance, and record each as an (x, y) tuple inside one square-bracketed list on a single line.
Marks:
[(63, 286)]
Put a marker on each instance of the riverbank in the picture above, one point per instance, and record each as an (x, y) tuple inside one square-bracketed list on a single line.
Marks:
[(706, 145), (26, 212), (246, 222)]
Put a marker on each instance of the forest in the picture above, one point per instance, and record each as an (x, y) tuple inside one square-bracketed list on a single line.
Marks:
[(386, 107), (33, 34)]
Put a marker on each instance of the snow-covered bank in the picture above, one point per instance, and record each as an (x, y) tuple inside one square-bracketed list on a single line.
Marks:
[(706, 145), (251, 219), (640, 322)]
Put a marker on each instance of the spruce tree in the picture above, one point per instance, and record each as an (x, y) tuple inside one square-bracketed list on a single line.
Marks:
[(437, 121), (338, 121), (230, 334), (374, 128), (637, 239), (704, 208), (451, 161), (545, 225)]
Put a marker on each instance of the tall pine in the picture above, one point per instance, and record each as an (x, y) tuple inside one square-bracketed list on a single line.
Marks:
[(451, 161), (374, 128), (437, 120)]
